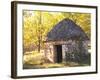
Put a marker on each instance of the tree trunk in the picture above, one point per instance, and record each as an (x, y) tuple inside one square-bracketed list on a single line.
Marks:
[(39, 31), (39, 44)]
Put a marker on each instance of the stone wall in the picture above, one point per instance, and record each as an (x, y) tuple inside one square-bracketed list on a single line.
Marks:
[(49, 52), (72, 50)]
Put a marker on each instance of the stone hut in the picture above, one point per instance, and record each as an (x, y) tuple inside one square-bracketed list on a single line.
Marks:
[(66, 41)]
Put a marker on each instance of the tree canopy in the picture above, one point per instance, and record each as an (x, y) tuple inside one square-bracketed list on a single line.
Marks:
[(36, 25)]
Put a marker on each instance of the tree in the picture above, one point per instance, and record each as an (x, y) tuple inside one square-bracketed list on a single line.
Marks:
[(38, 23)]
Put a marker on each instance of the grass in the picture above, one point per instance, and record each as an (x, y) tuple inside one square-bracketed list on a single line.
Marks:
[(52, 65), (36, 60)]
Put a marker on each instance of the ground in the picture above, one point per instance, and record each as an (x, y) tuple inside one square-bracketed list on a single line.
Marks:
[(36, 60)]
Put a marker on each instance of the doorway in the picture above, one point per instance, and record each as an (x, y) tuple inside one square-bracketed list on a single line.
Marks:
[(58, 53)]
